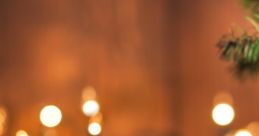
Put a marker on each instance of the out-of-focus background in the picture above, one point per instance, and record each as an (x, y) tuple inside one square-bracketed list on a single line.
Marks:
[(153, 64)]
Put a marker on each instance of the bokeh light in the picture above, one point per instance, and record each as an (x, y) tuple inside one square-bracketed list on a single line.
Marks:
[(94, 128), (90, 108), (253, 127), (223, 97), (3, 118), (22, 133), (223, 114), (89, 93), (50, 116), (243, 133)]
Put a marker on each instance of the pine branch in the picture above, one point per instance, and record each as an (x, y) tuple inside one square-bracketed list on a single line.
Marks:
[(253, 23)]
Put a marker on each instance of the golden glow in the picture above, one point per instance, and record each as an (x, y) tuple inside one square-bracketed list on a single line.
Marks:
[(50, 116), (3, 116), (21, 133), (223, 114), (90, 108), (253, 127), (94, 128), (96, 118), (50, 132), (243, 133), (89, 93), (223, 97)]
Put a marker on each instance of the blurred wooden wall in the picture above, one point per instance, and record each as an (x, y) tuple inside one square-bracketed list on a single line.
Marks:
[(203, 74), (127, 49), (152, 62)]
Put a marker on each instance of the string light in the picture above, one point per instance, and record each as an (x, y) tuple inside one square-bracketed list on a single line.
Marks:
[(90, 108), (94, 128), (243, 133), (223, 114), (50, 116), (22, 133)]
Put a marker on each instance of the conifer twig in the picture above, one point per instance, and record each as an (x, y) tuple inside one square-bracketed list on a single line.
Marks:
[(254, 24)]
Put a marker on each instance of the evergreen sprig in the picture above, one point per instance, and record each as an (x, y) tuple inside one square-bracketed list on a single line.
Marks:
[(253, 7), (243, 51)]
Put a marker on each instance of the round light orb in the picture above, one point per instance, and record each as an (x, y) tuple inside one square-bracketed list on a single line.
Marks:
[(243, 133), (22, 133), (94, 128), (50, 116), (223, 114), (90, 108)]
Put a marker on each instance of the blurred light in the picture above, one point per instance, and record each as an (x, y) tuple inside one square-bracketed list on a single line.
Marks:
[(223, 97), (2, 115), (94, 128), (243, 133), (21, 133), (2, 128), (96, 118), (50, 116), (253, 127), (230, 133), (90, 108), (50, 132), (89, 93), (223, 114), (3, 118)]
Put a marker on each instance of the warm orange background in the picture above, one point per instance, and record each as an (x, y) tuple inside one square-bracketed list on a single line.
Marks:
[(153, 63)]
